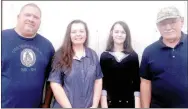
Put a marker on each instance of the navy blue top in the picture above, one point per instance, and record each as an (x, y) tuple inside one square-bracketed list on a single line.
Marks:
[(167, 69), (25, 64), (78, 83)]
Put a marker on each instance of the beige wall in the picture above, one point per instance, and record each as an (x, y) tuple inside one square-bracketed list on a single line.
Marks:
[(99, 15)]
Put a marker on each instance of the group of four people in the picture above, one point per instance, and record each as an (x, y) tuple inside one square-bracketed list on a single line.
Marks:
[(79, 79)]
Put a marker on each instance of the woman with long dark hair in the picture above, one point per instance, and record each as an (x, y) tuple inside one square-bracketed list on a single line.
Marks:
[(120, 67), (76, 77)]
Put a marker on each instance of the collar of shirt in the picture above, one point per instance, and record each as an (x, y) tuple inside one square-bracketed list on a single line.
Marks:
[(80, 57), (86, 53), (119, 56)]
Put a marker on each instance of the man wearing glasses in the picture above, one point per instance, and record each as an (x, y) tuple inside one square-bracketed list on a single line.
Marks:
[(163, 70)]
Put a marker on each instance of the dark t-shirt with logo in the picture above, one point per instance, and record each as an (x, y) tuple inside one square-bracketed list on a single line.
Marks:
[(25, 64)]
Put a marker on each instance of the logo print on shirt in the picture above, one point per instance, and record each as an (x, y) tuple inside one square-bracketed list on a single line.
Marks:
[(28, 57)]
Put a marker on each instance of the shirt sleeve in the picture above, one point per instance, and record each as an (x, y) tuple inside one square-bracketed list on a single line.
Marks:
[(137, 94), (49, 67), (104, 93), (56, 76), (103, 68), (135, 71), (99, 72), (144, 67)]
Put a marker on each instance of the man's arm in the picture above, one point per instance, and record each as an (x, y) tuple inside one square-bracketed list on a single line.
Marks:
[(145, 91), (48, 90), (48, 96)]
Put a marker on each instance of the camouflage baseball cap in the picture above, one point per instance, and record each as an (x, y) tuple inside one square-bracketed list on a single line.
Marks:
[(168, 12)]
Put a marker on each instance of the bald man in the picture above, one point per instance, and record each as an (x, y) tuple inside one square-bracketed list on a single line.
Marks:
[(26, 58)]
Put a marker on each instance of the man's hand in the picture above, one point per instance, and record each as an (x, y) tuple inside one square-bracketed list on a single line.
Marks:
[(45, 106)]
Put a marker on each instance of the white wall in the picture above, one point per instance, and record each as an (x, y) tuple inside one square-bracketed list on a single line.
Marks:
[(99, 15)]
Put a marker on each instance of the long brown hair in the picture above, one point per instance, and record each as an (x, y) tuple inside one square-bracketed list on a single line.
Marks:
[(64, 56), (127, 43)]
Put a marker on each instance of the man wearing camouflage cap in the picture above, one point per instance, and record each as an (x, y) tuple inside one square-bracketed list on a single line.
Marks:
[(163, 70)]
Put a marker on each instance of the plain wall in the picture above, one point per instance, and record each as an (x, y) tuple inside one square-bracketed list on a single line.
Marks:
[(99, 15)]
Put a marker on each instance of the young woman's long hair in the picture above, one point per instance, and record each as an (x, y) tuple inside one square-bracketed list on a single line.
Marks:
[(64, 56), (127, 43)]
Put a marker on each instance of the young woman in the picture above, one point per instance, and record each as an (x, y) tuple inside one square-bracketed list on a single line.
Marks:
[(120, 67), (76, 78)]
